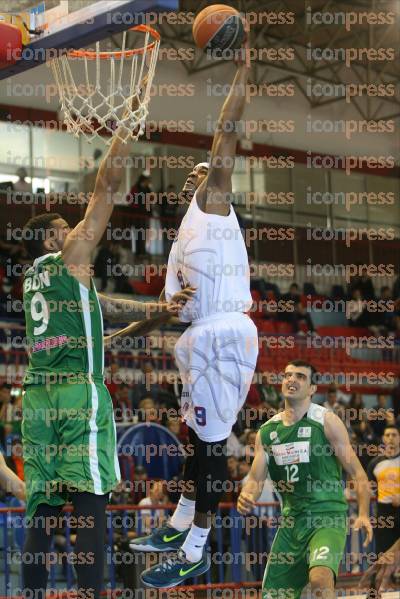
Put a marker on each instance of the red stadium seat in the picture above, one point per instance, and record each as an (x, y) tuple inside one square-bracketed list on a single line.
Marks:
[(140, 287), (283, 327), (266, 326), (340, 331)]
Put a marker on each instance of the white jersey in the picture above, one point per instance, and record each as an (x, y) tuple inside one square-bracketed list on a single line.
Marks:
[(210, 254)]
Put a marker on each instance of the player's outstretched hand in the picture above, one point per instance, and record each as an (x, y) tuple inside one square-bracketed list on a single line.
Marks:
[(363, 522), (178, 300), (383, 569), (245, 503)]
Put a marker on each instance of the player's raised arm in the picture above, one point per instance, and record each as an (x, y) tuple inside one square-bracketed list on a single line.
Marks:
[(255, 481), (223, 151), (83, 239), (338, 437)]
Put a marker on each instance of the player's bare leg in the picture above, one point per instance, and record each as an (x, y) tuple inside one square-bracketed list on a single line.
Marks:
[(322, 583)]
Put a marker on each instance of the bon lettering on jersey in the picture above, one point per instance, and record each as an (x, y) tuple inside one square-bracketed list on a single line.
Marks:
[(64, 324)]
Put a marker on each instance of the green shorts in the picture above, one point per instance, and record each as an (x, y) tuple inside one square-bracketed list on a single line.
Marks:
[(301, 543), (69, 442)]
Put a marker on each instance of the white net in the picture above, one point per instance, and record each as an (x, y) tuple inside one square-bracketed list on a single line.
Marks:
[(105, 94)]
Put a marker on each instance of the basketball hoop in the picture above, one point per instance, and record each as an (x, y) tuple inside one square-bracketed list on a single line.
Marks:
[(94, 107)]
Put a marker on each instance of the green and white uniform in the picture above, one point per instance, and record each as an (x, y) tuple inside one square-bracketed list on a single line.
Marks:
[(308, 476), (68, 427)]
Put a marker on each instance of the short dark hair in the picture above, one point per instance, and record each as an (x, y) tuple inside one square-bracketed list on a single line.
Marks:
[(304, 364), (396, 428), (34, 232)]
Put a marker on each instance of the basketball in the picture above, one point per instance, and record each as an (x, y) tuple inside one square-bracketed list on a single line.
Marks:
[(218, 27)]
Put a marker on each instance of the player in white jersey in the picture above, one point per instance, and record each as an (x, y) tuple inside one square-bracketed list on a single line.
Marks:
[(217, 354)]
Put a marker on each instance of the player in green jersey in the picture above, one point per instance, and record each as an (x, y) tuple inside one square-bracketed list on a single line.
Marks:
[(68, 428), (303, 449)]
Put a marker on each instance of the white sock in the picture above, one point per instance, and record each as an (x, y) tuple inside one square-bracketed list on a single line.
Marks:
[(183, 515), (194, 543)]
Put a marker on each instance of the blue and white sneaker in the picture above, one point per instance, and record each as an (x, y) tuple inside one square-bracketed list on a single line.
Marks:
[(162, 539), (175, 570)]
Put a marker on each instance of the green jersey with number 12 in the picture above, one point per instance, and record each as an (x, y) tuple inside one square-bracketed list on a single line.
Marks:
[(64, 324), (302, 464)]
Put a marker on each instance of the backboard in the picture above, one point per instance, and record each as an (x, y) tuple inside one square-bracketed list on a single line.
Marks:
[(62, 28)]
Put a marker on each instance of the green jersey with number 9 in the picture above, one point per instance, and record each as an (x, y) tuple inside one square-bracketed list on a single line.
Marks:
[(64, 324), (302, 464)]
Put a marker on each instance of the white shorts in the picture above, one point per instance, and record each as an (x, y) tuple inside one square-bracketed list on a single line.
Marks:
[(216, 358)]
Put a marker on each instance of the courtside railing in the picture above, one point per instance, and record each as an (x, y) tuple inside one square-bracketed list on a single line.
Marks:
[(239, 546)]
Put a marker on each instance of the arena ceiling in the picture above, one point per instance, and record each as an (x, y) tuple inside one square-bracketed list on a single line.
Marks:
[(325, 32)]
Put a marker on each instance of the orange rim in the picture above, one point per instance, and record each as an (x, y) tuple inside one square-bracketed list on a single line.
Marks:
[(92, 54)]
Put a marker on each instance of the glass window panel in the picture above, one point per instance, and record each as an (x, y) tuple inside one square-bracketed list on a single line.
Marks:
[(55, 151), (88, 149), (278, 217), (315, 220), (342, 183), (385, 212), (15, 154), (259, 182), (306, 181), (278, 180), (64, 184), (241, 165), (345, 223), (39, 183), (7, 178), (241, 182)]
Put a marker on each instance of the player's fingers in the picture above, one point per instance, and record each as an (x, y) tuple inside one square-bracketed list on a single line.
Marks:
[(382, 580), (247, 502), (239, 507), (184, 296), (174, 308), (243, 508), (190, 292), (388, 581), (368, 536), (364, 581)]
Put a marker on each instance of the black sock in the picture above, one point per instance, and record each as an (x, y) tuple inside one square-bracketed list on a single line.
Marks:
[(37, 545), (90, 514)]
